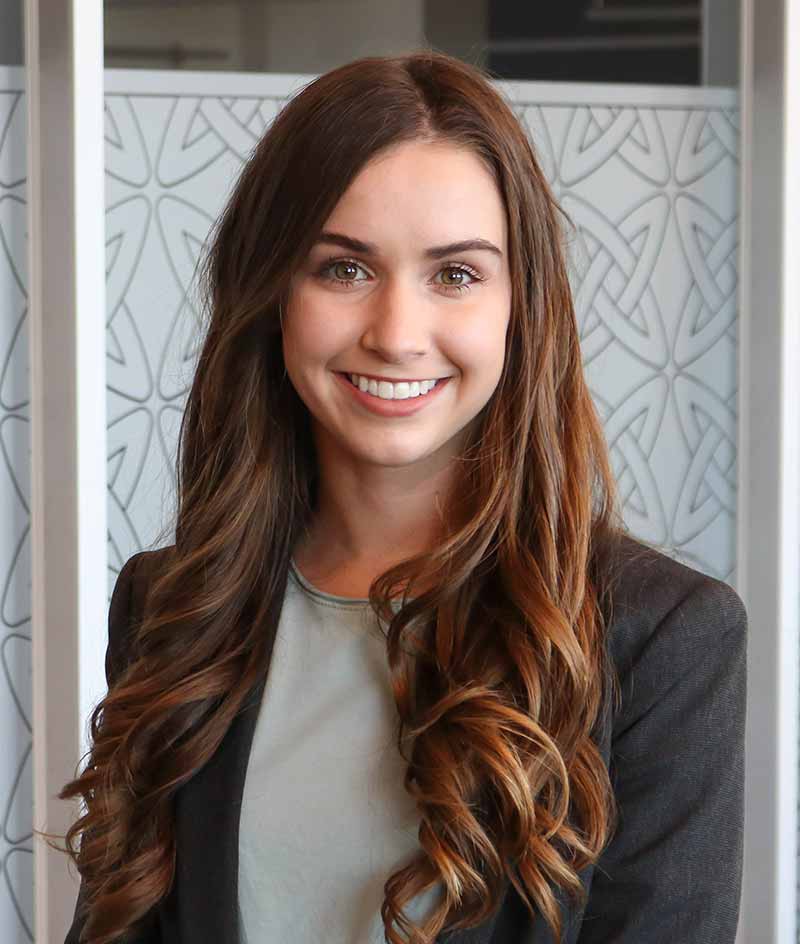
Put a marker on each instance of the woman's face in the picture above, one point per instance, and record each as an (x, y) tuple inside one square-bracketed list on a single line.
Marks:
[(400, 311)]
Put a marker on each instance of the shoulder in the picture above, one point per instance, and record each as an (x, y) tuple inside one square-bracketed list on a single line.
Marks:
[(670, 621), (134, 577), (653, 591), (144, 563), (126, 606)]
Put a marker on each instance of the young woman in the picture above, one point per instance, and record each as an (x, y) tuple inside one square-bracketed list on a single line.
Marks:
[(403, 675)]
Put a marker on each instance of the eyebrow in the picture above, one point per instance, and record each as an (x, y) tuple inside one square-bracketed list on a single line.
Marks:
[(433, 252)]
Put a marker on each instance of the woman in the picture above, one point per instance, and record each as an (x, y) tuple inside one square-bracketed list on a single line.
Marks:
[(403, 675)]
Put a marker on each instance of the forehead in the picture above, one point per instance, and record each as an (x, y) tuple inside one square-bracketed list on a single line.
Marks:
[(433, 192)]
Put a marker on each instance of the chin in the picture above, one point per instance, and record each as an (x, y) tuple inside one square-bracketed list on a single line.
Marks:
[(394, 458)]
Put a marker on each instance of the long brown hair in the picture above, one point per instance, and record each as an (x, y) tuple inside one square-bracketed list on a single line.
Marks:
[(500, 685)]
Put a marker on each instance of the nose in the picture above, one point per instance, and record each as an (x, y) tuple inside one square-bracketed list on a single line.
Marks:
[(398, 330)]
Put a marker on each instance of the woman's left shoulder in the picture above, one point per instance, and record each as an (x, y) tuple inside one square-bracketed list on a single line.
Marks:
[(656, 598)]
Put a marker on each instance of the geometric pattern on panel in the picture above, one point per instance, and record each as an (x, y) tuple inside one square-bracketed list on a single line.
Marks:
[(170, 162), (16, 785), (652, 191)]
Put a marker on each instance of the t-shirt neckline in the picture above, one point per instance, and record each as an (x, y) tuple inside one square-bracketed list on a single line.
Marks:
[(354, 602)]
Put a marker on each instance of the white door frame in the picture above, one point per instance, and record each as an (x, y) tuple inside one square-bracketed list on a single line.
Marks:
[(66, 295), (769, 459)]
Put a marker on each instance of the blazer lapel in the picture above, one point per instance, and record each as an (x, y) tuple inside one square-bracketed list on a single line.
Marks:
[(203, 906)]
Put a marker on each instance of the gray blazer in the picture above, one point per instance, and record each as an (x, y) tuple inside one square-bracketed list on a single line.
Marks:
[(675, 749)]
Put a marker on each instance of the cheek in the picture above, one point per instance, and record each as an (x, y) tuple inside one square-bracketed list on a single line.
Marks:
[(480, 346), (310, 335)]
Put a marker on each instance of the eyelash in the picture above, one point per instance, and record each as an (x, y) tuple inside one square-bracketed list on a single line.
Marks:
[(458, 267)]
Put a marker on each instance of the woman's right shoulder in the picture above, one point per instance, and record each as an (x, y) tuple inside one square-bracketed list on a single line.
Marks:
[(126, 607), (135, 575), (141, 565)]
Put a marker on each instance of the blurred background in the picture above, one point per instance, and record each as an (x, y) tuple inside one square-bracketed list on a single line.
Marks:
[(571, 41), (123, 126)]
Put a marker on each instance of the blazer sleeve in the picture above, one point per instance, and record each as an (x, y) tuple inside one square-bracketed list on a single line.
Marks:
[(673, 869), (121, 617)]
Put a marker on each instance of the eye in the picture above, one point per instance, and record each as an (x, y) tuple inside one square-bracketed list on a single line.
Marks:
[(460, 269), (345, 265), (341, 265)]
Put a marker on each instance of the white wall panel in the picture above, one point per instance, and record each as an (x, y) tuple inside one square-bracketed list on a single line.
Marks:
[(652, 190), (16, 785)]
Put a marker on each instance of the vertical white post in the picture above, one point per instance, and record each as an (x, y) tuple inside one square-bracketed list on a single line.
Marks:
[(64, 60), (769, 475)]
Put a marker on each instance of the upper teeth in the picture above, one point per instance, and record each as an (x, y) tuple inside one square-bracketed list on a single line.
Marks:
[(392, 391)]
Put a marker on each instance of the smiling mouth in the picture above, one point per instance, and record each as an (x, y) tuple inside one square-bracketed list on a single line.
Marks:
[(438, 382), (348, 375), (396, 405)]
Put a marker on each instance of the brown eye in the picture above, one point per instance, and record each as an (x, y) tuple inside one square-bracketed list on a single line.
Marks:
[(340, 270), (344, 270), (459, 271)]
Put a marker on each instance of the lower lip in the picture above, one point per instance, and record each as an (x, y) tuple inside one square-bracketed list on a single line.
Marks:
[(392, 407)]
